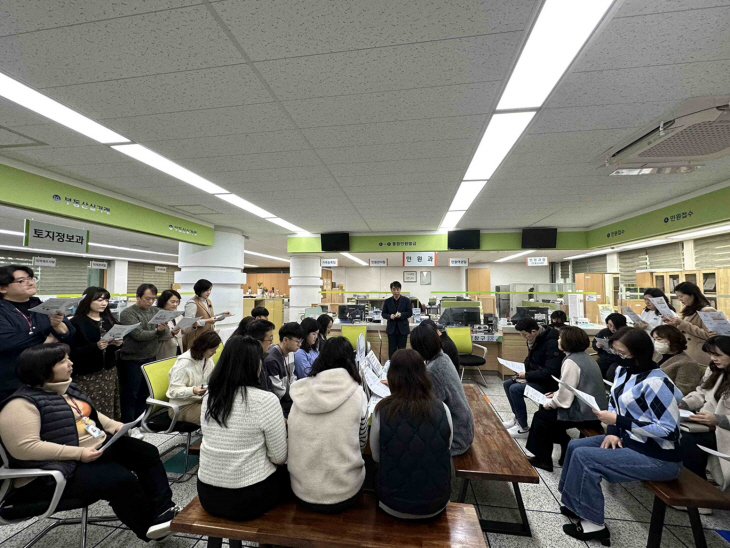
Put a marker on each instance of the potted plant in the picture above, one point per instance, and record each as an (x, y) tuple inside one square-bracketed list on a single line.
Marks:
[(258, 293)]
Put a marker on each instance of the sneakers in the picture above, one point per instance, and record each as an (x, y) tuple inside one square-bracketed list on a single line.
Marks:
[(509, 424), (136, 433), (161, 526), (517, 432)]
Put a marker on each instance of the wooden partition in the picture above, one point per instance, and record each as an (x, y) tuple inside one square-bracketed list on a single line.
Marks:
[(478, 279), (277, 280)]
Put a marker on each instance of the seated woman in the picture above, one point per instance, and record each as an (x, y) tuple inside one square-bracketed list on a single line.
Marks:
[(308, 352), (642, 441), (328, 427), (447, 345), (446, 385), (242, 473), (650, 316), (412, 406), (711, 404), (170, 343), (189, 377), (607, 360), (670, 343), (325, 326), (50, 423), (563, 410), (243, 326)]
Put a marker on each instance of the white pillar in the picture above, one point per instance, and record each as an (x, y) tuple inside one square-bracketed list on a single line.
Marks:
[(612, 262), (304, 284), (116, 277), (222, 265), (688, 249)]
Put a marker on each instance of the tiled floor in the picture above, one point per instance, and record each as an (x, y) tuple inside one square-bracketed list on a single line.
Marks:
[(628, 509)]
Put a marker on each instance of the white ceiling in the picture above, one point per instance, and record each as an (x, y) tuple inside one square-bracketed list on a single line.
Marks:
[(358, 117)]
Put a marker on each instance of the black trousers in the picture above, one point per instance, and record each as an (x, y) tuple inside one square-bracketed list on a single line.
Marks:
[(695, 459), (396, 341), (129, 475), (547, 430), (133, 391), (245, 503)]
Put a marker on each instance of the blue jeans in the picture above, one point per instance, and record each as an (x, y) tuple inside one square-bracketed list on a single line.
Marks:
[(516, 395), (586, 464)]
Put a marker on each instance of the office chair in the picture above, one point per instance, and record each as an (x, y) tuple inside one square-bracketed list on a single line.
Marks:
[(462, 339), (352, 332)]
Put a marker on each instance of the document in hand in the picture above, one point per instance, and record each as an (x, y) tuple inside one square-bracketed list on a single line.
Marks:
[(662, 307), (118, 331), (517, 367), (164, 316), (360, 350), (538, 397), (589, 400), (374, 384), (713, 452), (223, 316), (715, 321), (374, 364), (186, 322), (603, 344), (633, 316), (685, 413), (56, 306), (122, 431)]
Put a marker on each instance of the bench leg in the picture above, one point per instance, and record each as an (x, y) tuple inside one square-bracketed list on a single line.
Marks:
[(215, 542), (462, 491), (697, 532), (510, 528), (657, 523)]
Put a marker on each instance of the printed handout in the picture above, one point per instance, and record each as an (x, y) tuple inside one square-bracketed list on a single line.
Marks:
[(118, 331), (122, 431), (374, 364), (715, 453), (715, 321), (589, 400), (56, 306), (538, 397), (164, 316), (633, 316), (685, 413), (662, 307), (186, 322), (517, 367), (376, 387)]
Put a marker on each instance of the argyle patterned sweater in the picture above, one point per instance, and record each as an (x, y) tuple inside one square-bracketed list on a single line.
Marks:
[(647, 411)]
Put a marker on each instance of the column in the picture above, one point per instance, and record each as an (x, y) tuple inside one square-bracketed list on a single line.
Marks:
[(304, 285), (116, 277), (222, 265)]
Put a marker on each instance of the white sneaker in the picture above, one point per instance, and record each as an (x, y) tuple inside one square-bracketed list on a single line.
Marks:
[(509, 424), (518, 433), (136, 433)]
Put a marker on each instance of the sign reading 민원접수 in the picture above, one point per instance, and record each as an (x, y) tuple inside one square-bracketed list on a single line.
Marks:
[(62, 238), (419, 258)]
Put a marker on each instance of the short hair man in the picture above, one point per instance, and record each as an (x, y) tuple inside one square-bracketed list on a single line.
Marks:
[(262, 331), (396, 311), (260, 313), (558, 319), (279, 376)]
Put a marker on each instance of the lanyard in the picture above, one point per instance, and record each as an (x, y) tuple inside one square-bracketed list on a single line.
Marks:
[(28, 320), (72, 403)]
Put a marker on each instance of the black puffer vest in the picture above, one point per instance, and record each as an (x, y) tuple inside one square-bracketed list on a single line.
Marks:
[(415, 463), (58, 424)]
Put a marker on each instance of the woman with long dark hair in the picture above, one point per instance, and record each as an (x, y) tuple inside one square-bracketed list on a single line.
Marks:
[(328, 429), (325, 322), (412, 407), (95, 360), (710, 423), (690, 323), (308, 352), (650, 316), (641, 441), (242, 473)]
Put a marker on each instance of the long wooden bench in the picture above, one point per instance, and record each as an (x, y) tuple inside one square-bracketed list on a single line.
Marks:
[(363, 525), (495, 456)]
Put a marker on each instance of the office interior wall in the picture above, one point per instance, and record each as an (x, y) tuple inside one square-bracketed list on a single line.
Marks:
[(508, 273)]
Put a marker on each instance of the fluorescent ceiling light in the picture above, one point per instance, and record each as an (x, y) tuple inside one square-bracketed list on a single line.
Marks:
[(452, 219), (703, 232), (45, 106), (558, 35), (12, 232), (467, 193), (503, 259), (246, 205), (353, 258), (502, 133), (584, 255), (87, 255), (250, 265), (289, 226), (152, 159), (91, 244), (247, 252)]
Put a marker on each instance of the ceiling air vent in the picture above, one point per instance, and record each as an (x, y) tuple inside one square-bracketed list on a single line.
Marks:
[(695, 131)]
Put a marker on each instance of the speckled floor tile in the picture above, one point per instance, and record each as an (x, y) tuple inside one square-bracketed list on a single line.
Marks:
[(685, 535), (65, 535), (547, 530), (501, 494)]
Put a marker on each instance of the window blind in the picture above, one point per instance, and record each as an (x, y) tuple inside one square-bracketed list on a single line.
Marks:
[(629, 262), (712, 252)]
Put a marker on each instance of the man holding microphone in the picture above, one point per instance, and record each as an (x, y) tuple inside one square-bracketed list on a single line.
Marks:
[(396, 311)]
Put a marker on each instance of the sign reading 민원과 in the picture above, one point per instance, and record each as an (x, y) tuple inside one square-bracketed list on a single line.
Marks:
[(29, 191), (61, 238)]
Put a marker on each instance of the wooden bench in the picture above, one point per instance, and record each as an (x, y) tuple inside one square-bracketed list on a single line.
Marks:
[(494, 455), (688, 490), (587, 432), (195, 448), (363, 525)]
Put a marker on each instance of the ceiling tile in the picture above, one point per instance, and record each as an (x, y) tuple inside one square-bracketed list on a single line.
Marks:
[(554, 120), (264, 160), (397, 180), (398, 151), (265, 176), (645, 7), (400, 166), (93, 154), (229, 145)]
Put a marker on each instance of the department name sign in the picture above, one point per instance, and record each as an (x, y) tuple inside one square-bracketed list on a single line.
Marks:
[(99, 265), (537, 261), (419, 258), (330, 262), (62, 238), (458, 262), (378, 262), (44, 261), (160, 269)]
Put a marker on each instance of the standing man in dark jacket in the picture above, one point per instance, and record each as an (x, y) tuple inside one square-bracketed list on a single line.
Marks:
[(543, 361), (397, 310), (20, 328)]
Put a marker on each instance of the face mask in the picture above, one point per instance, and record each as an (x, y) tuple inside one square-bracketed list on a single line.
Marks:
[(626, 362), (662, 347)]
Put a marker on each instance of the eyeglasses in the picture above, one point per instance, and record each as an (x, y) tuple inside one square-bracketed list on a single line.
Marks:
[(621, 354), (268, 340), (22, 281)]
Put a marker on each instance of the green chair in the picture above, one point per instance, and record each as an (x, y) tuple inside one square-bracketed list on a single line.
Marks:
[(352, 332), (215, 356), (156, 418), (462, 339)]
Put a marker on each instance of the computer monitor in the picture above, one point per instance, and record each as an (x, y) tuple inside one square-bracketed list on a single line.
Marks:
[(325, 308), (348, 313), (537, 313), (456, 315)]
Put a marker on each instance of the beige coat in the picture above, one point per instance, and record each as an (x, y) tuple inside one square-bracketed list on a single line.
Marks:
[(696, 334), (197, 308), (686, 374), (704, 401)]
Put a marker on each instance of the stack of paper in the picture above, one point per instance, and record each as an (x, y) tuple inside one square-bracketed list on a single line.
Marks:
[(517, 367)]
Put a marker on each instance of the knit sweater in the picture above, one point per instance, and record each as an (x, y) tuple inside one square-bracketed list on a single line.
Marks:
[(247, 450), (447, 387), (187, 373), (140, 344)]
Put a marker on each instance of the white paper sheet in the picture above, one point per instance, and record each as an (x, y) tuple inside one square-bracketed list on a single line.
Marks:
[(582, 396), (374, 364), (603, 344), (608, 383), (118, 331), (186, 322), (517, 367), (164, 316), (715, 321), (662, 307), (713, 452), (55, 306), (360, 350), (633, 316), (374, 399), (376, 387), (535, 396), (122, 431), (685, 413), (223, 316)]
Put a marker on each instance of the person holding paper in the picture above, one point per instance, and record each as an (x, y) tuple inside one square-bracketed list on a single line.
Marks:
[(670, 343), (650, 316), (412, 407), (543, 361), (328, 429), (607, 360), (710, 425), (170, 343), (200, 307), (446, 385), (279, 374), (19, 327), (563, 410), (396, 310), (642, 441), (95, 360), (690, 323), (309, 350), (50, 423)]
